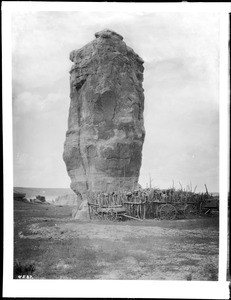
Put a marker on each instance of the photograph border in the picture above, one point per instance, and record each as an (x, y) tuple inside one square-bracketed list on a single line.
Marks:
[(115, 288)]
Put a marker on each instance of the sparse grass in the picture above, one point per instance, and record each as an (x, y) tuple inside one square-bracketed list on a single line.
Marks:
[(211, 272), (182, 249), (22, 270), (67, 260)]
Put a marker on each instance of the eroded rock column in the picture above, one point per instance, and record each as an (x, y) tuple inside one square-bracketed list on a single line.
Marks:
[(104, 140)]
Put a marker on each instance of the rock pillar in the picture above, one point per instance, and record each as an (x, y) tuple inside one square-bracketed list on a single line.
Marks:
[(104, 140)]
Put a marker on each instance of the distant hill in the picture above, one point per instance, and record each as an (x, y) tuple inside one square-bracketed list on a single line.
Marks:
[(49, 193), (66, 200), (52, 193)]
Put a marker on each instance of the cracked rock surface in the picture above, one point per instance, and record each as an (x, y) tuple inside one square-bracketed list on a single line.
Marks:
[(104, 140)]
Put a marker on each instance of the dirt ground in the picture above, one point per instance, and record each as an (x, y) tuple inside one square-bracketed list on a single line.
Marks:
[(62, 248)]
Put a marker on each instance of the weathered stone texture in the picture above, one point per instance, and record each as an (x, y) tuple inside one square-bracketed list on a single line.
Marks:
[(103, 147)]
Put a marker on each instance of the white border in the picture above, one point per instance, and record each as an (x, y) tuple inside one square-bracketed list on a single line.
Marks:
[(116, 7), (7, 149), (96, 288), (223, 149)]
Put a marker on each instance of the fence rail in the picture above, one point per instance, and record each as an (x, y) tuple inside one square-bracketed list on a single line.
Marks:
[(144, 203)]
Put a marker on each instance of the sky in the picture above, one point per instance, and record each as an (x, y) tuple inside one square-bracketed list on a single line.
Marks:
[(181, 88)]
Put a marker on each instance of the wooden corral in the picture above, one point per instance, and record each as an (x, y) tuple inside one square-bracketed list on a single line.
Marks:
[(148, 204)]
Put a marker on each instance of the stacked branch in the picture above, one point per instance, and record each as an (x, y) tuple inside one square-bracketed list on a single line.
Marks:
[(143, 203)]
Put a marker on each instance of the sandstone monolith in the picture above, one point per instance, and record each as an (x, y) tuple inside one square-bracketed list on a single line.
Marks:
[(104, 140)]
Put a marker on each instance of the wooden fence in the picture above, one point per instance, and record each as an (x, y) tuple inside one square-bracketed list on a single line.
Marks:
[(143, 203)]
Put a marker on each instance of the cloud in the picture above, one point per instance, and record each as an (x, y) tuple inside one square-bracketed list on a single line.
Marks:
[(181, 80), (28, 103), (47, 170)]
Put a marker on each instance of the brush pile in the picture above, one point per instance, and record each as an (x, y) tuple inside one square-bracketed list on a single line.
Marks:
[(144, 203)]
